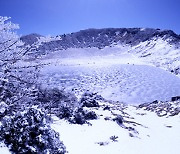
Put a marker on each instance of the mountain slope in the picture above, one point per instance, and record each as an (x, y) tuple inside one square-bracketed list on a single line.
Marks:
[(142, 131), (161, 48), (119, 65), (30, 39), (105, 37), (160, 53)]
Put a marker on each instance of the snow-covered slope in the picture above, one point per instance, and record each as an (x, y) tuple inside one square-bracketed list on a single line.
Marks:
[(159, 53), (127, 66), (160, 48), (101, 38), (114, 79), (142, 131), (117, 72)]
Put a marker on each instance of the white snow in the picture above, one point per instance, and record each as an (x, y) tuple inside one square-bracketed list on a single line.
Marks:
[(124, 74), (115, 75), (120, 73), (142, 29), (4, 149), (155, 134), (158, 52), (117, 33)]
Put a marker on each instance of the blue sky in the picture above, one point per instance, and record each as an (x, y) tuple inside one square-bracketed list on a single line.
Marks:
[(64, 16)]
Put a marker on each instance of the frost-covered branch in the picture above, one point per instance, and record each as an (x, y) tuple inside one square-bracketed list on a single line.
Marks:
[(16, 78)]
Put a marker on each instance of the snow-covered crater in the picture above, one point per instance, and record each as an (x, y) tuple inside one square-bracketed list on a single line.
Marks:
[(123, 78)]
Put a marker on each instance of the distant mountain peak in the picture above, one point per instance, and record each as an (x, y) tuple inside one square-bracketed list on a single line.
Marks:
[(30, 38), (100, 38), (106, 36)]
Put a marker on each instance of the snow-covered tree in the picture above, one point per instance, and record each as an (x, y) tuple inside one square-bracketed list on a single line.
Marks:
[(16, 78), (23, 128), (9, 43), (29, 132)]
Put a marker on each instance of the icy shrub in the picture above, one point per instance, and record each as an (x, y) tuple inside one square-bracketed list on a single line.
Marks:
[(89, 100), (91, 115), (167, 108), (64, 105), (55, 95), (29, 132), (114, 138), (78, 116), (81, 116), (106, 108), (56, 101), (118, 119), (64, 112)]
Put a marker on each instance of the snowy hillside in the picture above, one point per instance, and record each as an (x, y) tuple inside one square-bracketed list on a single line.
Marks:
[(120, 73), (159, 53), (138, 130), (101, 38), (113, 78), (119, 128), (100, 91), (124, 81), (160, 48)]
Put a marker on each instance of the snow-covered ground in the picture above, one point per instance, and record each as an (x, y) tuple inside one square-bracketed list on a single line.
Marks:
[(142, 132), (123, 74), (4, 149), (159, 53), (117, 76)]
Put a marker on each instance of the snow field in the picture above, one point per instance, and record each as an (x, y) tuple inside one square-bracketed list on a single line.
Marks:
[(129, 83), (152, 134)]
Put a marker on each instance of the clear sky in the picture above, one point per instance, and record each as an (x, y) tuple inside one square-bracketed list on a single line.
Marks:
[(64, 16)]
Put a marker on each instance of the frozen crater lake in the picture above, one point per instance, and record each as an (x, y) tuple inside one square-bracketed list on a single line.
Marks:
[(129, 83)]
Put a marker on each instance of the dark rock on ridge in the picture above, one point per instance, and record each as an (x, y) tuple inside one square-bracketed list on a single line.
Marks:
[(30, 39), (175, 98)]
